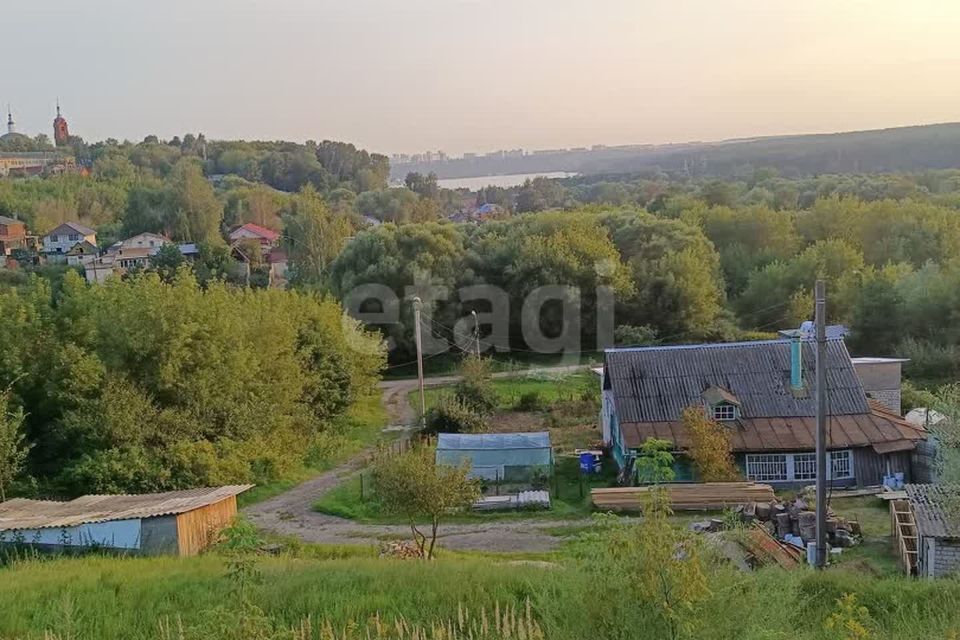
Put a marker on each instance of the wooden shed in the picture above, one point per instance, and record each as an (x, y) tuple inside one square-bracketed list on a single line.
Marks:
[(935, 531), (177, 522)]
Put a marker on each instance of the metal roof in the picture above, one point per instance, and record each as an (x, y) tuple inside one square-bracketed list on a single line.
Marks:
[(931, 511), (82, 229), (655, 384), (492, 441), (20, 513)]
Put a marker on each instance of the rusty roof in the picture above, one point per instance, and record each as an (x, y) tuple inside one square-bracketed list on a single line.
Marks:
[(655, 384), (882, 429), (20, 513)]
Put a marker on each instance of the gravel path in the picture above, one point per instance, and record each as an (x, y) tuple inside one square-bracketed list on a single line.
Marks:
[(291, 513)]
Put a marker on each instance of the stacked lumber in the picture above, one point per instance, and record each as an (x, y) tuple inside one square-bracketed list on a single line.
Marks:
[(764, 547), (685, 497)]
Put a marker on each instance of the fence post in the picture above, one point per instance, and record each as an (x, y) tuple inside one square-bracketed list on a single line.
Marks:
[(361, 487)]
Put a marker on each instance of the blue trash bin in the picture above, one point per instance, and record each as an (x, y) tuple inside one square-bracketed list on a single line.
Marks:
[(588, 463)]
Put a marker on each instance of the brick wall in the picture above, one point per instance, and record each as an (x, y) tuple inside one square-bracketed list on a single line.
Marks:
[(889, 397), (947, 558)]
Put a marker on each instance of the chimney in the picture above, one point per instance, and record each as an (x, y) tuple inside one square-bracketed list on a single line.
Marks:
[(796, 363)]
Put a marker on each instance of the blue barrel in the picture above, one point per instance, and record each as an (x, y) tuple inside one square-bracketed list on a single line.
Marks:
[(588, 463)]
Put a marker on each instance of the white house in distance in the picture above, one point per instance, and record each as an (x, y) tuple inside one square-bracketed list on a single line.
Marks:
[(58, 243), (125, 255)]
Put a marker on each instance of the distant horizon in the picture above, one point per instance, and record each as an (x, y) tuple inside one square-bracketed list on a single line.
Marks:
[(459, 155)]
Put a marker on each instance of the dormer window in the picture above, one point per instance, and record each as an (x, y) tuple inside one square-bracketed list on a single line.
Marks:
[(721, 404), (724, 412)]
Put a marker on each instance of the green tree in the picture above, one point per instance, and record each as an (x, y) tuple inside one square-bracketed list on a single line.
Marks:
[(710, 447), (414, 486), (195, 212), (13, 445)]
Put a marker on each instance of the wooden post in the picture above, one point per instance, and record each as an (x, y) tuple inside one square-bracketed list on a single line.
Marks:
[(361, 487), (820, 302)]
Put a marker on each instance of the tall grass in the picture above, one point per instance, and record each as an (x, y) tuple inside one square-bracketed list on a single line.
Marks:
[(102, 598)]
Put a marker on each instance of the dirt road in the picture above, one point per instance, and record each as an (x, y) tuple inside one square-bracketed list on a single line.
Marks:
[(291, 513)]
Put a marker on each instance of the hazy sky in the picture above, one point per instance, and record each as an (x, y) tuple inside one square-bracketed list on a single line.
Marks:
[(410, 75)]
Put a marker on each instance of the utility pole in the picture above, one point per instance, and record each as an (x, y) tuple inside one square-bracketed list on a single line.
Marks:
[(476, 331), (423, 402), (820, 319)]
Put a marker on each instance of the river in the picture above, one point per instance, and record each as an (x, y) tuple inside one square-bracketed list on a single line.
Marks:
[(506, 181)]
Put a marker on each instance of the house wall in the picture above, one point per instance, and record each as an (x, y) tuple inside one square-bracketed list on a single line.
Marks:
[(870, 467), (946, 557), (881, 381), (117, 534), (198, 529), (63, 241)]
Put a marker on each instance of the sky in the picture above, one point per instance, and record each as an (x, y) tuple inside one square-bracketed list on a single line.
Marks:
[(402, 76)]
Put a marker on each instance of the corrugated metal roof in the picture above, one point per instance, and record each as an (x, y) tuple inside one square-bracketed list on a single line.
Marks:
[(45, 514), (655, 384), (492, 441), (928, 502)]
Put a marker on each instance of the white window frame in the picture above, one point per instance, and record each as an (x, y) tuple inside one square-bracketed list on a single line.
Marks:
[(760, 467), (724, 412), (765, 465), (845, 460)]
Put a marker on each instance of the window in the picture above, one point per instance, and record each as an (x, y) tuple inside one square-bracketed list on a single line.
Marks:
[(767, 467), (54, 238), (841, 465), (797, 467), (724, 411), (804, 466), (74, 237)]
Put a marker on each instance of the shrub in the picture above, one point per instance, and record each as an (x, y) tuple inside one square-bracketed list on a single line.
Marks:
[(627, 335), (530, 401), (475, 388), (453, 416)]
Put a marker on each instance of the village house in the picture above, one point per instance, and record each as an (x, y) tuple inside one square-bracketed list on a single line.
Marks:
[(267, 238), (272, 254), (120, 257), (762, 393), (57, 244), (13, 235), (177, 522)]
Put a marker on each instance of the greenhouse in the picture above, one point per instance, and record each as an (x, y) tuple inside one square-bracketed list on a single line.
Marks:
[(507, 457)]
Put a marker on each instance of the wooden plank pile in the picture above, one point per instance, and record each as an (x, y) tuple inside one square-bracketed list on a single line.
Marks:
[(764, 547), (685, 497)]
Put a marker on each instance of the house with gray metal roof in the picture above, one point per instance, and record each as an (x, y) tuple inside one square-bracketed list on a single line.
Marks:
[(762, 393), (175, 522)]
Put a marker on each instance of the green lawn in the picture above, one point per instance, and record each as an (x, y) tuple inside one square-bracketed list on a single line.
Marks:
[(448, 364), (570, 499), (551, 388), (361, 427)]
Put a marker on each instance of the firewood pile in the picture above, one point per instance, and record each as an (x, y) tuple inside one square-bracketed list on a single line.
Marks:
[(400, 550), (795, 522)]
